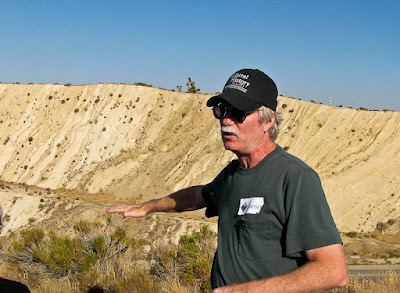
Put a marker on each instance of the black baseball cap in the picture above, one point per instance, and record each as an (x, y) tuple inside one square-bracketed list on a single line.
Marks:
[(248, 90)]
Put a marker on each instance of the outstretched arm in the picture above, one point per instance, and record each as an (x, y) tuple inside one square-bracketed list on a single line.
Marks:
[(188, 199), (326, 269)]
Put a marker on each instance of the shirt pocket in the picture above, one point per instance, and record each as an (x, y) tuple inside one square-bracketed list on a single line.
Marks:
[(253, 239)]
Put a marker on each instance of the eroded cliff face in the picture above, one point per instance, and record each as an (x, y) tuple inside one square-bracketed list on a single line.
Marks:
[(114, 138), (356, 154), (133, 143)]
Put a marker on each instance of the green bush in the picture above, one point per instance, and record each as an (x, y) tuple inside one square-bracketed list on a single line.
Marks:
[(32, 236), (381, 226), (187, 247), (394, 254), (196, 254), (352, 234), (63, 255), (99, 246), (82, 226), (95, 259), (119, 234), (143, 84), (191, 262), (191, 86)]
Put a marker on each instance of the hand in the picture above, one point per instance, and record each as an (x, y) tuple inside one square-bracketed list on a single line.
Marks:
[(136, 210)]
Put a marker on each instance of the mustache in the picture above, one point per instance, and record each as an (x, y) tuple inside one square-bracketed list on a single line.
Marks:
[(229, 129)]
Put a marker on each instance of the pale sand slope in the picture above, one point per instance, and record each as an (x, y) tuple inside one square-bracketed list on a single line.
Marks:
[(135, 143), (30, 207)]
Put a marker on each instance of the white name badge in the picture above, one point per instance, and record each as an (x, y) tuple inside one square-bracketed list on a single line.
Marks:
[(251, 205)]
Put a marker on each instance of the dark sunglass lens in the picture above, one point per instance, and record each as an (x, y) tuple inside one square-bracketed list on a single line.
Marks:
[(219, 112), (237, 114)]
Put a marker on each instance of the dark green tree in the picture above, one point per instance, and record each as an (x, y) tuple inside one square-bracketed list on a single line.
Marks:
[(191, 87)]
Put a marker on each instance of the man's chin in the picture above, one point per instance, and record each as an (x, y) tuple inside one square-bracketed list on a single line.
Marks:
[(228, 145)]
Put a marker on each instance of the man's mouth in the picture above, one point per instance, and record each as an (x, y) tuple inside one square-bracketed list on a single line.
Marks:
[(227, 131)]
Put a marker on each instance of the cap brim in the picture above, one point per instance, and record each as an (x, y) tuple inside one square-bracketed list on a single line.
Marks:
[(235, 100)]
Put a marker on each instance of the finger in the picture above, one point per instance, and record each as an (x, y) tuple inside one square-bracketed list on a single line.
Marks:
[(117, 209)]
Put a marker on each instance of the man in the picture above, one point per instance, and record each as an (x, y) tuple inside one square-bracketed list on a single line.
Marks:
[(275, 229)]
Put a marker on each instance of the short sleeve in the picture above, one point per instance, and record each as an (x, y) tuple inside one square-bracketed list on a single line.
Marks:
[(208, 193), (309, 222), (212, 191)]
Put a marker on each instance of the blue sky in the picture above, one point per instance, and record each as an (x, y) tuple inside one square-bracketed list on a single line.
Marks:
[(348, 51)]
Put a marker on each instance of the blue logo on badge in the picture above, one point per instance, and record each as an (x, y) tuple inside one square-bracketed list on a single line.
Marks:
[(244, 207)]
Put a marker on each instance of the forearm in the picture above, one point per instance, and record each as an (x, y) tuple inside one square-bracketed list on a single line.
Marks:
[(301, 280), (184, 200), (187, 199), (312, 277), (325, 270)]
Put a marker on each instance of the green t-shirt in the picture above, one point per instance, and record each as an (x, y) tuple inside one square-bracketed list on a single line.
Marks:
[(269, 215)]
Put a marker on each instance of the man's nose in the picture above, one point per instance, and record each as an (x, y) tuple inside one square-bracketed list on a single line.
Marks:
[(227, 120)]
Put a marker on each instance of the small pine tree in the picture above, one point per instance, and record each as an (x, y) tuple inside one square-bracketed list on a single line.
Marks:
[(191, 86)]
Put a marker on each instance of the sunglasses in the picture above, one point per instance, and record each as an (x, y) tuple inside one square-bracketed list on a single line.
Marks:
[(221, 111)]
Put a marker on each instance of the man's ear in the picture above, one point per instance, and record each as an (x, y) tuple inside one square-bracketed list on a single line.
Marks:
[(268, 125)]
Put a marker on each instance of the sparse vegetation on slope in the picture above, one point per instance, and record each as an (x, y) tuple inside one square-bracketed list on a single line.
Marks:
[(112, 137), (104, 258)]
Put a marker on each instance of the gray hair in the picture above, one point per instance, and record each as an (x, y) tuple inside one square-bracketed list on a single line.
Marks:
[(266, 115)]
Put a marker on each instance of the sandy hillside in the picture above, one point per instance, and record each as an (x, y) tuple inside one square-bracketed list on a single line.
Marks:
[(73, 150)]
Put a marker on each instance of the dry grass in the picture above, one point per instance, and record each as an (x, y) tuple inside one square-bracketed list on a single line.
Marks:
[(136, 280), (121, 264), (389, 283), (103, 259)]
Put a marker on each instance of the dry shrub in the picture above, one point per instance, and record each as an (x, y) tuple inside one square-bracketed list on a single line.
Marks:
[(190, 264), (389, 283), (138, 281), (56, 285), (118, 263), (80, 260), (101, 259), (51, 254)]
